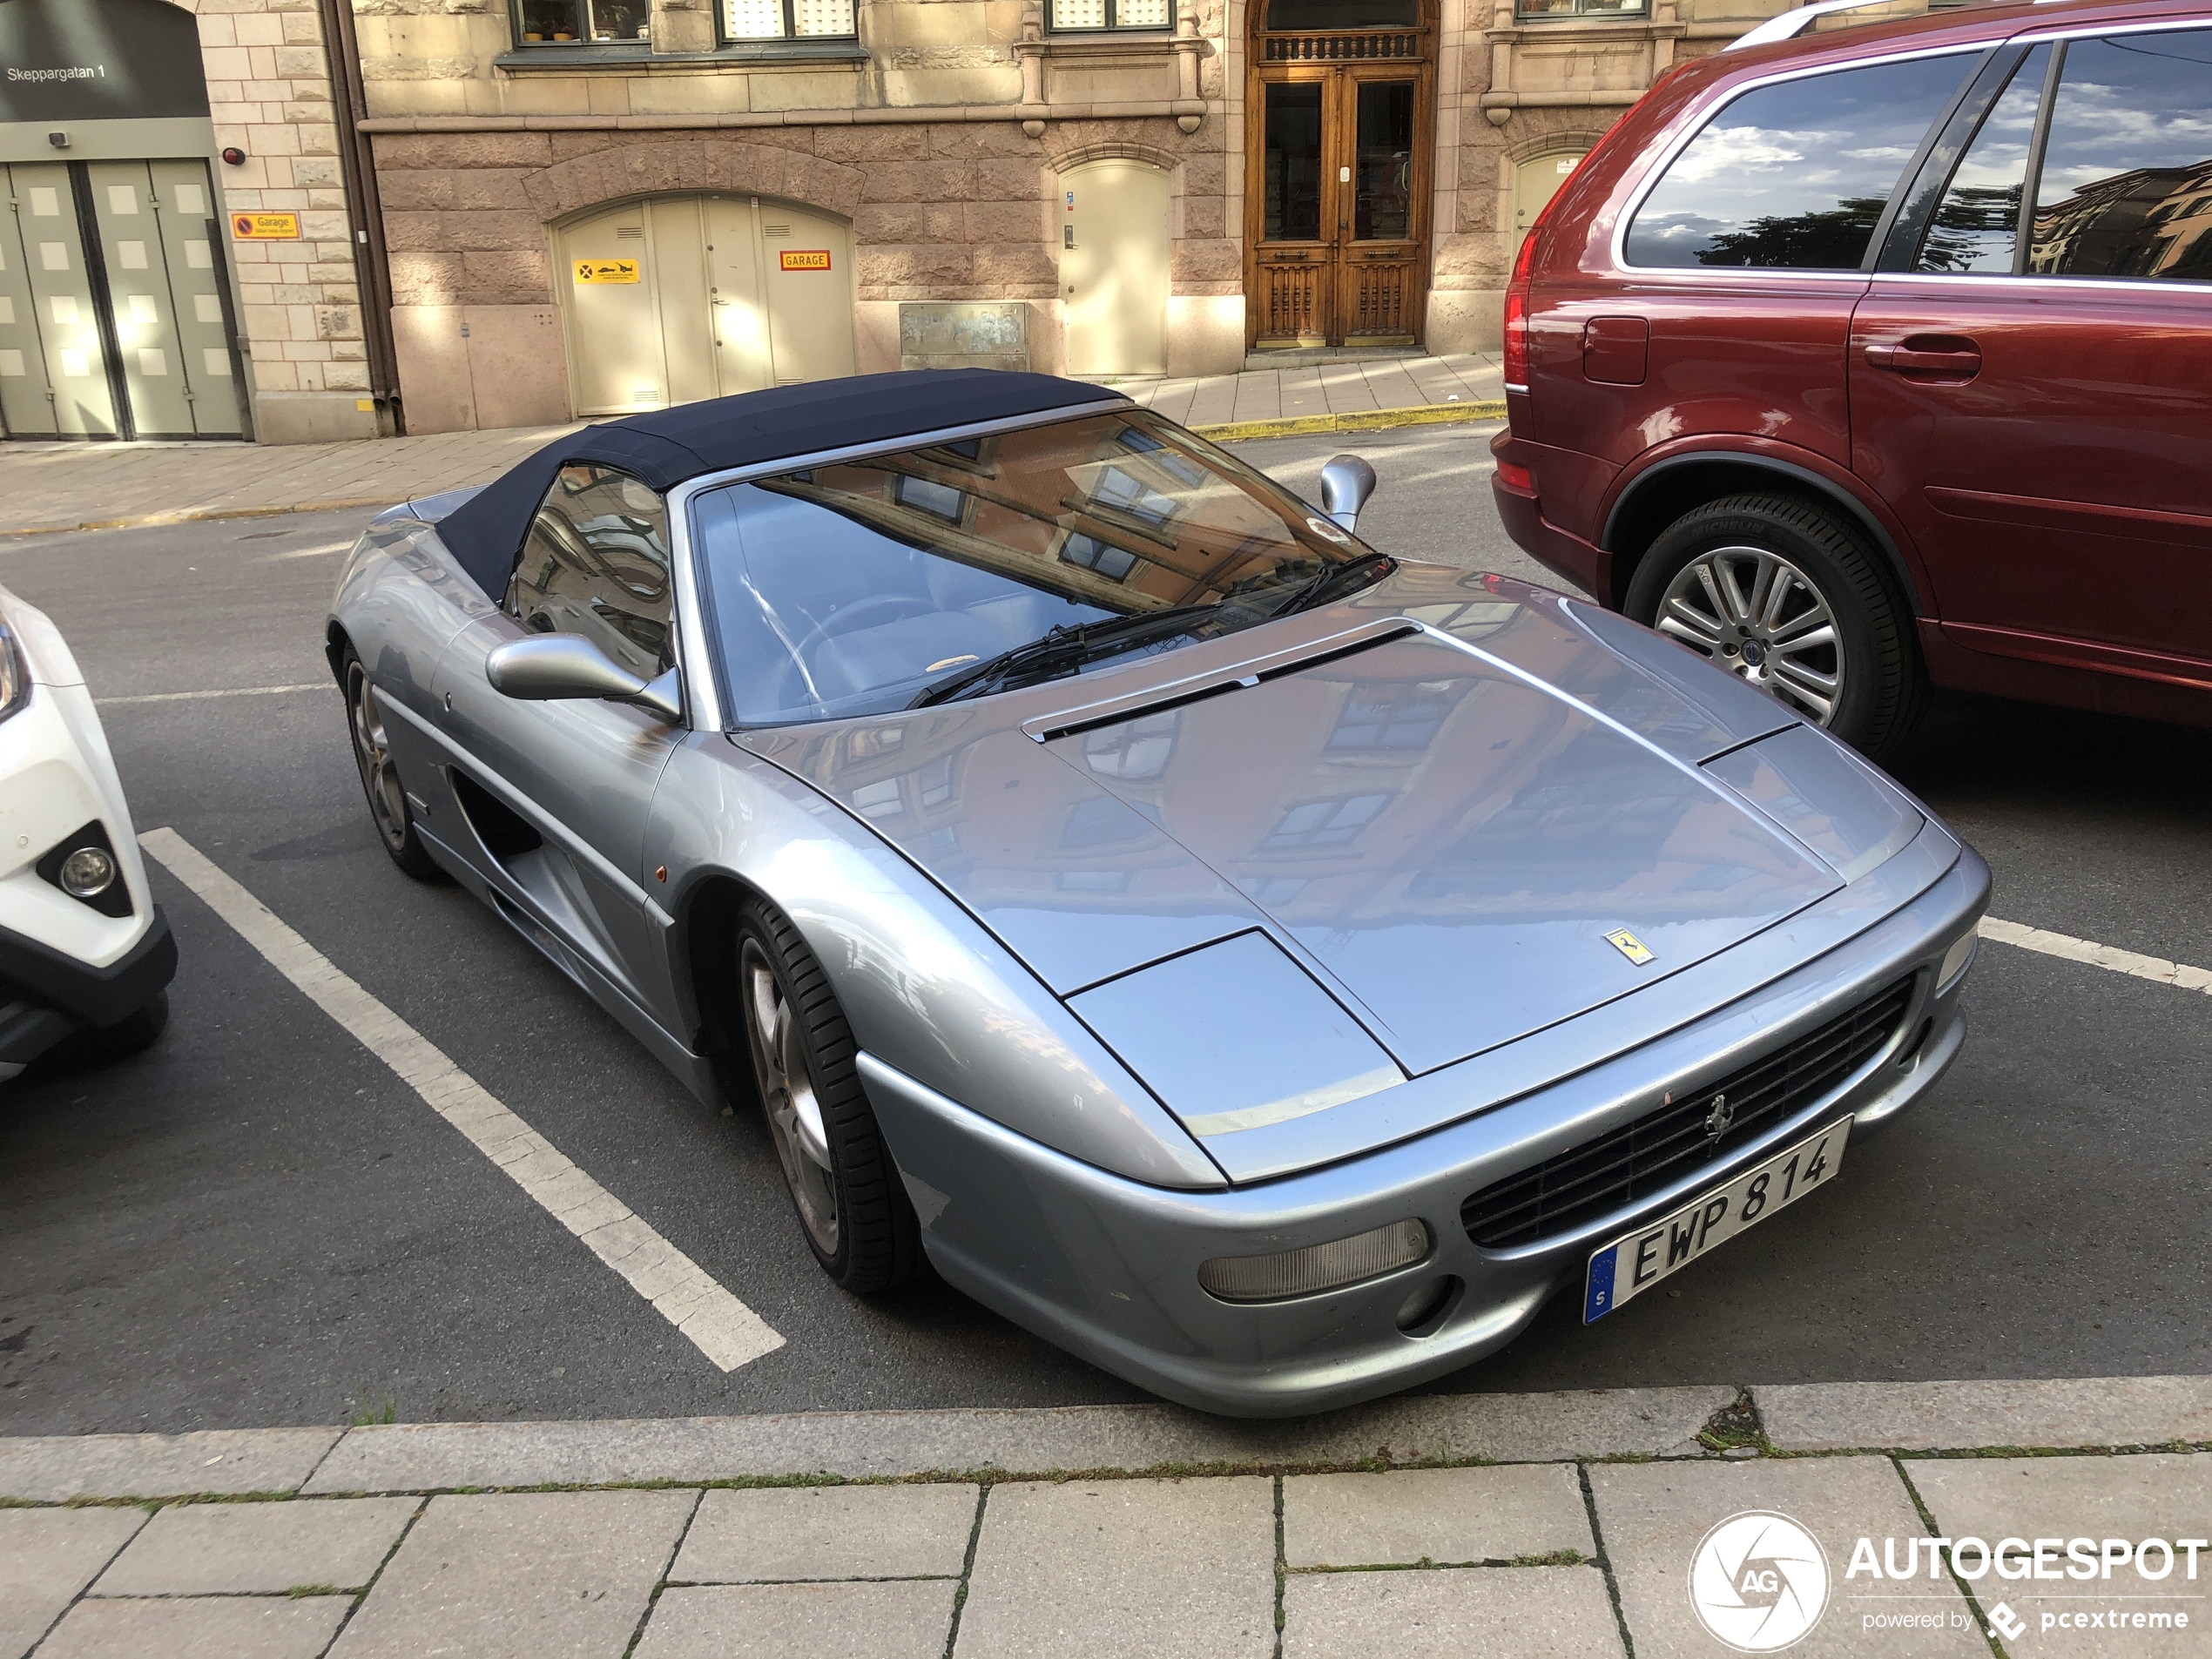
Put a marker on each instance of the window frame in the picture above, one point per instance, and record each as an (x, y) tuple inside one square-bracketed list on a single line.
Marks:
[(1932, 170), (722, 36), (1580, 11), (1111, 26), (1701, 115), (584, 41)]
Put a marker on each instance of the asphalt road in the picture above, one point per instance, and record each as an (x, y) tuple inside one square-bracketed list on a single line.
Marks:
[(255, 1223)]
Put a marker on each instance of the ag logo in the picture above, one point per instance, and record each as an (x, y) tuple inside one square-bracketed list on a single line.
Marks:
[(1758, 1581)]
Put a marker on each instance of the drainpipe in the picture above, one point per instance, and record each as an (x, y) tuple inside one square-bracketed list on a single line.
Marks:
[(372, 265)]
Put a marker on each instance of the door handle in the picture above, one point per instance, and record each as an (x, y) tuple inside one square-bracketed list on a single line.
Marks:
[(1962, 364)]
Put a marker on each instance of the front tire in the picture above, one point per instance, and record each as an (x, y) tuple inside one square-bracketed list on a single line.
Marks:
[(1787, 596), (852, 1207), (379, 772)]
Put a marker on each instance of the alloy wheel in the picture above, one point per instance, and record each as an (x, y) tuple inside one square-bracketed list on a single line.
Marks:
[(372, 752), (1761, 617), (787, 1095)]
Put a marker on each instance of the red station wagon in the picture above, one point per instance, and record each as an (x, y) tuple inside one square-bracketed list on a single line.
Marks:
[(1883, 358)]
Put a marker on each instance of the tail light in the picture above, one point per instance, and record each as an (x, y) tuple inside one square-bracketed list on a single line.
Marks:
[(1517, 313)]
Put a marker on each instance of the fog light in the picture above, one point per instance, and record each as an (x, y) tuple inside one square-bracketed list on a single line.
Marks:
[(1318, 1267), (87, 872), (1955, 959)]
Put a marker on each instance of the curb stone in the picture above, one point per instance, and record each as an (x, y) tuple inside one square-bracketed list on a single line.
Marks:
[(1593, 1426)]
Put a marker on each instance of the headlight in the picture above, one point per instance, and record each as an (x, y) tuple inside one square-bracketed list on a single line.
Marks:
[(1955, 959), (1316, 1268), (14, 674)]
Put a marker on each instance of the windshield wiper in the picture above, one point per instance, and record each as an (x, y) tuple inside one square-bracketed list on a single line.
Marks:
[(1334, 581), (1058, 648)]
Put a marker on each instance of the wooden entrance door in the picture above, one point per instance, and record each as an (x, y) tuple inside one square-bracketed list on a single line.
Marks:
[(1341, 133)]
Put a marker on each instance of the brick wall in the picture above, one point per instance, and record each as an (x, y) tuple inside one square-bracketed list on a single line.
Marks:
[(269, 94)]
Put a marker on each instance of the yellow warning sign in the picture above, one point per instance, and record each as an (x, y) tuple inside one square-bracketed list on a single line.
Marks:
[(592, 271), (805, 259), (265, 228)]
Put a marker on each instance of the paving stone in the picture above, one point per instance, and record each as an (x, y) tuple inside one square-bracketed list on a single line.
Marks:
[(1454, 1613), (828, 1532), (46, 1556), (2159, 1496), (242, 1548), (416, 1456), (1945, 1416), (1147, 1568), (904, 1621), (1652, 1517), (224, 1627), (1434, 1514), (54, 1469), (521, 1576)]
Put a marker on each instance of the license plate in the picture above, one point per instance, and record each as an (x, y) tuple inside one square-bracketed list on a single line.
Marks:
[(1632, 1265)]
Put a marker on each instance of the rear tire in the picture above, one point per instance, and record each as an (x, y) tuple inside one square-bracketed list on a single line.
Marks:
[(852, 1206), (380, 774), (1787, 595)]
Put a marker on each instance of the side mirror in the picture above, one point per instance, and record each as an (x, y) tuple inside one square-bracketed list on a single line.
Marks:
[(1346, 482), (551, 667)]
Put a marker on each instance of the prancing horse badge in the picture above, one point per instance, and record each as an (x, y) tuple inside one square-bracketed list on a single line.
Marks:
[(1630, 946)]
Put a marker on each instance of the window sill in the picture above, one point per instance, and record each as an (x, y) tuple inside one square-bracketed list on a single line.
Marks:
[(636, 55)]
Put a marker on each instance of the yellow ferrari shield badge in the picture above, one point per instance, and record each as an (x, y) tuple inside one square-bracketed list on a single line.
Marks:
[(1630, 946)]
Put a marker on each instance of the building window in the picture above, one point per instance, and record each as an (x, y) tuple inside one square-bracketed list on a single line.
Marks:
[(1581, 8), (787, 20), (1070, 16), (581, 23)]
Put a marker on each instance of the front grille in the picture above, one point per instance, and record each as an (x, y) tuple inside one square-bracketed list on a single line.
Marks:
[(1660, 1148)]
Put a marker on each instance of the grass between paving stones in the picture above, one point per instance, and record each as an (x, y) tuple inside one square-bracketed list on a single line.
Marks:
[(1928, 1520), (1605, 1562), (1556, 1558), (1719, 1445)]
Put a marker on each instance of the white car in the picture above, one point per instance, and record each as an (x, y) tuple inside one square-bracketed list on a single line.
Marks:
[(82, 945)]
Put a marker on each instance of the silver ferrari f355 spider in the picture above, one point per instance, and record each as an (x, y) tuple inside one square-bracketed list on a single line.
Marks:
[(1265, 968)]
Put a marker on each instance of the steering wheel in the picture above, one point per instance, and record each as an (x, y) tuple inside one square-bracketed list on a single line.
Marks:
[(906, 604)]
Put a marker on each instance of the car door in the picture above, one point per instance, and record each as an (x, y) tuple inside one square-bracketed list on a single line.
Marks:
[(2031, 373), (558, 793)]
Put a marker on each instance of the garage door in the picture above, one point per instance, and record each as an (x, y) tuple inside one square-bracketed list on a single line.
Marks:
[(114, 317), (677, 299)]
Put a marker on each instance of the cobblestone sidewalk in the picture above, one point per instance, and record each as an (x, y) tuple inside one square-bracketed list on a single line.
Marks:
[(46, 487), (1551, 1525)]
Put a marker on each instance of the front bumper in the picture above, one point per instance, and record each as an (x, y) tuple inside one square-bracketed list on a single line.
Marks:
[(1108, 1268), (44, 995)]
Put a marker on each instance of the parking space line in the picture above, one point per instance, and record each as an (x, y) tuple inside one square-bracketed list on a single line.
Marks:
[(2178, 974), (193, 697), (724, 1329)]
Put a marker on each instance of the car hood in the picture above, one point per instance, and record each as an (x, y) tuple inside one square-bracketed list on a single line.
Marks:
[(1442, 802)]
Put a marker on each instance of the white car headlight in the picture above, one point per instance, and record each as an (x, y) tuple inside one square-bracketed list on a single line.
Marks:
[(14, 674)]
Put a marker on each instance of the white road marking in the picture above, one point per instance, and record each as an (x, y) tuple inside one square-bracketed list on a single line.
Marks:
[(2178, 974), (725, 1329), (229, 690)]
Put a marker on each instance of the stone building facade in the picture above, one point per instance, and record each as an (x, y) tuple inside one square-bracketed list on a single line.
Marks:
[(1045, 183), (149, 311)]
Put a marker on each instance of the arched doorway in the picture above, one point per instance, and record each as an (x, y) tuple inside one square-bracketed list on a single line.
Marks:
[(1536, 179), (1114, 267), (674, 299), (1341, 112)]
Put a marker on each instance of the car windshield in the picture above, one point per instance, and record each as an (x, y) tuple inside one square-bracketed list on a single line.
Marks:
[(971, 567)]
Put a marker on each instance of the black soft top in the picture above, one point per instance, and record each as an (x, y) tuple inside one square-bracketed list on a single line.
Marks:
[(485, 534)]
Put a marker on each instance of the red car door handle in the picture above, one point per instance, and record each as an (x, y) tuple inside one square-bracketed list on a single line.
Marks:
[(1904, 360)]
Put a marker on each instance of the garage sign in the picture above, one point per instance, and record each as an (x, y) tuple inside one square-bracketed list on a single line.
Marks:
[(265, 228), (805, 259), (590, 272)]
